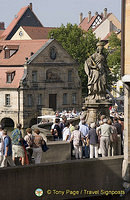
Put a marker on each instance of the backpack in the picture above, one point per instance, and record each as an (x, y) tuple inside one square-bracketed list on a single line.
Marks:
[(113, 136)]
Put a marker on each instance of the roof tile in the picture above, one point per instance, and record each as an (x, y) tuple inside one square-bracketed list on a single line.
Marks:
[(14, 22), (19, 71), (16, 62), (38, 32), (25, 49), (85, 25)]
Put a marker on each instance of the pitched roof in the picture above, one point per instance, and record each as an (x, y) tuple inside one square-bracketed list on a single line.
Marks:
[(37, 32), (85, 25), (1, 31), (14, 22), (25, 48), (103, 19)]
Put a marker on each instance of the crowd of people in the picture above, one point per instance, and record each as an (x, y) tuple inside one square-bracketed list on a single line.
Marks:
[(102, 138), (15, 149)]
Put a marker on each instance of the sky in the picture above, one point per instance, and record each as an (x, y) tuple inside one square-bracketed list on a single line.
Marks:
[(53, 13)]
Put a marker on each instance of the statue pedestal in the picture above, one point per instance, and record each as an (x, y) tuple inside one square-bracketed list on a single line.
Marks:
[(94, 109)]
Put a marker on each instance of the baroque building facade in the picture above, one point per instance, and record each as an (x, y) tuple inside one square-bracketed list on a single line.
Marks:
[(36, 74)]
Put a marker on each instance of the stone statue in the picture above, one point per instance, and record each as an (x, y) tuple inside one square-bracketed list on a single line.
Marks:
[(97, 70)]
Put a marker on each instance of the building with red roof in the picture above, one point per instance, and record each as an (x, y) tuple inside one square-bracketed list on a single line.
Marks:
[(25, 17), (32, 33), (25, 26), (101, 24), (36, 74)]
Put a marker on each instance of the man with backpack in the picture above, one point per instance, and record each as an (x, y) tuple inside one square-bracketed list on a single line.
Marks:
[(29, 140), (7, 150), (56, 130)]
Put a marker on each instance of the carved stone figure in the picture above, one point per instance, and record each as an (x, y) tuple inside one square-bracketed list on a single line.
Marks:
[(52, 75), (97, 70)]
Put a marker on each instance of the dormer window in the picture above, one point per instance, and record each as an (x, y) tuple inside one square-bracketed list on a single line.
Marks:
[(7, 53), (10, 50), (97, 21), (10, 76)]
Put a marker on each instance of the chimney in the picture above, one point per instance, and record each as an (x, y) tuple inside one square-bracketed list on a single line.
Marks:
[(2, 26), (96, 13), (81, 17), (30, 6), (105, 12), (102, 14), (89, 16), (111, 26)]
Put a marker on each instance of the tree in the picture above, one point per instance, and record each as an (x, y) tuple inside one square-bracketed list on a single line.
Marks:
[(114, 58), (79, 44)]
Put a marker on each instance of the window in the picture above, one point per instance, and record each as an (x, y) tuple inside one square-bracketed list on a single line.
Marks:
[(74, 98), (96, 22), (9, 80), (70, 76), (40, 99), (7, 99), (30, 100), (7, 53), (34, 76), (10, 51), (10, 76), (65, 98)]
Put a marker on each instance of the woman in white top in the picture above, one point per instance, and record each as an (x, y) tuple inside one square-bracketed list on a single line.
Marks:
[(77, 138)]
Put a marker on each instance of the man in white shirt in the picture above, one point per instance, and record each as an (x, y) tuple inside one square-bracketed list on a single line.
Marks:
[(106, 131), (66, 132)]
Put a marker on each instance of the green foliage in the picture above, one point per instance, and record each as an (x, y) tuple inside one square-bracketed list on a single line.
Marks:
[(114, 41), (114, 58), (79, 44)]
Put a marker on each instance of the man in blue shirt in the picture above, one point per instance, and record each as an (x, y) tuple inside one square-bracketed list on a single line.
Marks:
[(7, 151), (84, 130), (1, 144), (17, 145)]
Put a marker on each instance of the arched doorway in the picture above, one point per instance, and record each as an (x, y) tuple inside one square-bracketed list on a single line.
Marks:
[(33, 121), (7, 122)]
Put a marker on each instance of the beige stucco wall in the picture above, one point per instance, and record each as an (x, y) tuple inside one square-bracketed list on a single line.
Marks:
[(115, 21), (109, 25), (12, 110), (126, 79), (103, 29), (127, 38), (24, 35)]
